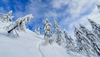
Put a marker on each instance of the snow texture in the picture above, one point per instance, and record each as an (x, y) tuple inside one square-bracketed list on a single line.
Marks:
[(27, 45)]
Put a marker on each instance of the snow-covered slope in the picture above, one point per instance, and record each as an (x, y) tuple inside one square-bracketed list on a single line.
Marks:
[(27, 45)]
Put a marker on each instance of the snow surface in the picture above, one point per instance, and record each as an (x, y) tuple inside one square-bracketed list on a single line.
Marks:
[(27, 45)]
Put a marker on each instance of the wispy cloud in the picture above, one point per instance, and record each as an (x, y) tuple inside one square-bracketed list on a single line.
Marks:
[(58, 4)]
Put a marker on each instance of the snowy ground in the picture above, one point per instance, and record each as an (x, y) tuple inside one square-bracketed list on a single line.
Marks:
[(27, 45), (30, 45)]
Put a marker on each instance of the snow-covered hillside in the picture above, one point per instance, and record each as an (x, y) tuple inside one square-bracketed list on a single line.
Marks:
[(27, 45)]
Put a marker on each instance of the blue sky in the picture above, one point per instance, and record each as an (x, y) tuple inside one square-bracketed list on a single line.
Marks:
[(66, 12)]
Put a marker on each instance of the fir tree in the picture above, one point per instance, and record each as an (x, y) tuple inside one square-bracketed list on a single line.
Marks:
[(95, 27), (92, 37), (47, 31), (37, 31), (69, 41), (98, 6), (82, 41), (6, 17), (59, 38)]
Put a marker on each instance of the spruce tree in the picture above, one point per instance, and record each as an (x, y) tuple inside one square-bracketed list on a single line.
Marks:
[(95, 27), (47, 31), (98, 6), (69, 42), (6, 17), (59, 38), (92, 37), (37, 31), (82, 41)]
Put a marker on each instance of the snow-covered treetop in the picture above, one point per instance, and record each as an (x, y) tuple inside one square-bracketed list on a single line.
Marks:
[(65, 31), (66, 34), (83, 29), (25, 19), (93, 24), (91, 21), (57, 27), (47, 25), (28, 17), (9, 13), (35, 29), (38, 29), (55, 23), (47, 22), (88, 33), (77, 31), (6, 17)]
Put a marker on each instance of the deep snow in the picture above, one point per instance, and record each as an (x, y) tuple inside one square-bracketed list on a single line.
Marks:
[(27, 45)]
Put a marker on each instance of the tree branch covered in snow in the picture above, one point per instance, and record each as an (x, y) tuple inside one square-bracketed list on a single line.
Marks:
[(19, 24)]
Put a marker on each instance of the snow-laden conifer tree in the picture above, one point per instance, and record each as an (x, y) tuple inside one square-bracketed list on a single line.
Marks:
[(47, 31), (95, 27), (10, 19), (19, 24), (82, 41), (92, 37), (59, 38), (98, 6), (69, 42), (6, 17), (37, 31)]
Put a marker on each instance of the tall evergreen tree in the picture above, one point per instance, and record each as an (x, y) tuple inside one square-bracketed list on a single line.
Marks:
[(47, 31), (82, 41), (37, 31), (98, 6), (19, 24), (6, 17), (59, 38), (92, 37), (95, 27), (69, 41)]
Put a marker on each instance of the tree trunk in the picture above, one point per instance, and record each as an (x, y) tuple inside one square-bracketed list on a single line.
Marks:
[(13, 28)]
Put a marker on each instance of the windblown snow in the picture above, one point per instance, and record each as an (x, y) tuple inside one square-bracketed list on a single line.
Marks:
[(27, 45)]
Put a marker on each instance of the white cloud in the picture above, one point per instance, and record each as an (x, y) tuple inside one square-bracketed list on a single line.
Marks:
[(79, 11), (94, 15), (79, 7), (59, 3), (51, 14)]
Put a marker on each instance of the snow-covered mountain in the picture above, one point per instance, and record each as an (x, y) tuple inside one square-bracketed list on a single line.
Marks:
[(27, 45)]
